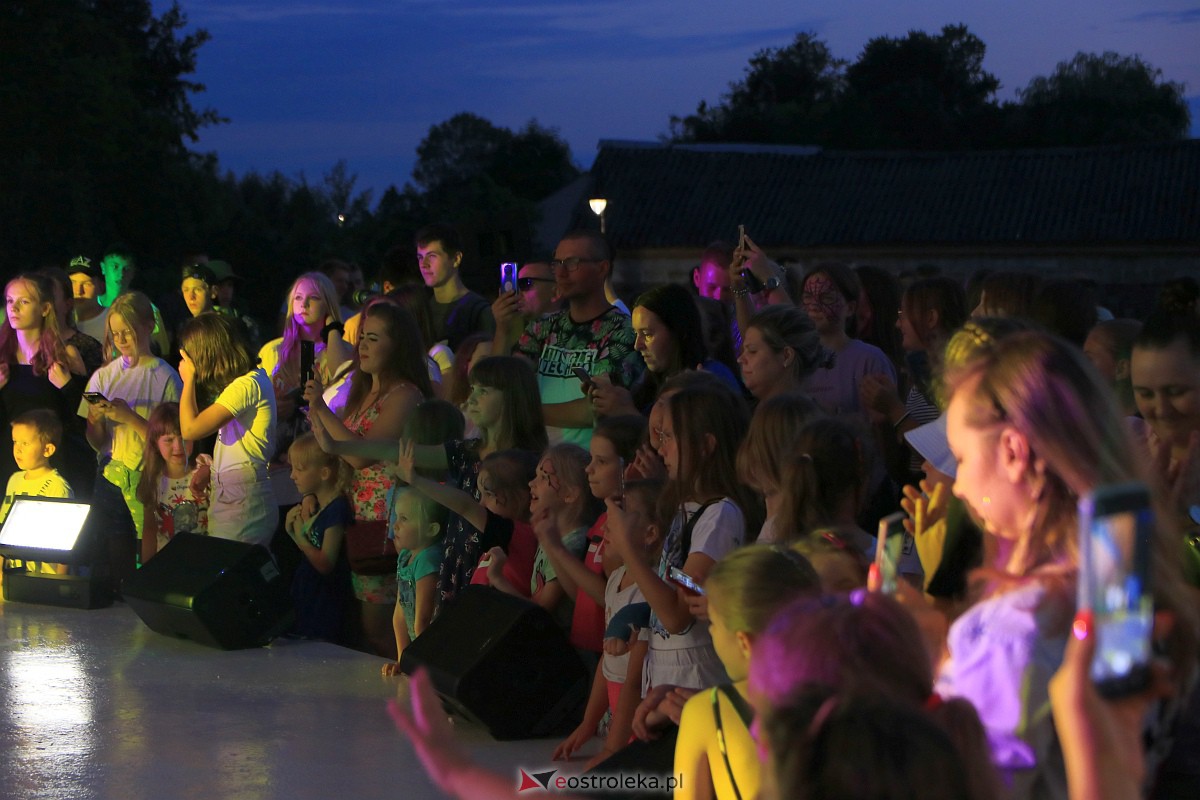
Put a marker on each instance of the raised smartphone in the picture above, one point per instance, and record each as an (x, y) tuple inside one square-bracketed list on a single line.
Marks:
[(308, 357), (889, 547), (1116, 527), (94, 397), (508, 277)]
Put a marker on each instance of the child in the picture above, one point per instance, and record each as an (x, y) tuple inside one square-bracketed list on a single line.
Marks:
[(562, 508), (35, 437), (504, 404), (502, 516), (767, 449), (173, 492), (321, 590), (614, 444), (618, 665), (698, 440), (129, 387), (217, 362), (714, 753), (419, 523)]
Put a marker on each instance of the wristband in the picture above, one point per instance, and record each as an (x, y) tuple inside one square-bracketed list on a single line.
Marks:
[(740, 291), (332, 326)]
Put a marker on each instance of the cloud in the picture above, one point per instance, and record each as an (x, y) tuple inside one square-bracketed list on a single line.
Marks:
[(1185, 16), (207, 13)]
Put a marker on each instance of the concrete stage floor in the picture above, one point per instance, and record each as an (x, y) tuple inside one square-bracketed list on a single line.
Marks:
[(93, 704)]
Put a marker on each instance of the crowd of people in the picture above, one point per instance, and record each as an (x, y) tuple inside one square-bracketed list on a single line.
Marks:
[(691, 486)]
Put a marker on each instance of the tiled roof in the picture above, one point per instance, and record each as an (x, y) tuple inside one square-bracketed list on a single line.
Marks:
[(662, 196)]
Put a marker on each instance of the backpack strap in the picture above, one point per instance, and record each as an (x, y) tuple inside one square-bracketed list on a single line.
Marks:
[(685, 539)]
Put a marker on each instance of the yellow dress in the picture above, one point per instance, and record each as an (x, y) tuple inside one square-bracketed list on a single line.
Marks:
[(698, 757)]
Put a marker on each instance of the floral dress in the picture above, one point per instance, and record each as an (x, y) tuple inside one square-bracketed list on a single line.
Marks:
[(369, 497)]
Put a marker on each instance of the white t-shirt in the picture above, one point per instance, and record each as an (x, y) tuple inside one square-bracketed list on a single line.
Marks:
[(616, 668), (720, 529), (143, 387), (249, 438)]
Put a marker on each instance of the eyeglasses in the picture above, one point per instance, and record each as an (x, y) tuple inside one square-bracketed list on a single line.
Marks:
[(663, 436), (525, 284), (571, 264)]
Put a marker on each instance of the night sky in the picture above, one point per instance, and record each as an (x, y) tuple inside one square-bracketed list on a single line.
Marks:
[(307, 83)]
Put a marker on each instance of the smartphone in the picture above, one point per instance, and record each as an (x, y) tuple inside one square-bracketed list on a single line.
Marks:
[(683, 579), (94, 397), (584, 378), (508, 277), (889, 547), (1116, 526), (308, 357)]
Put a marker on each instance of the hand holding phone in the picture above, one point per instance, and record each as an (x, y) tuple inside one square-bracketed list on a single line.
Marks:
[(686, 581), (508, 277), (94, 397), (889, 546), (584, 378), (1116, 528)]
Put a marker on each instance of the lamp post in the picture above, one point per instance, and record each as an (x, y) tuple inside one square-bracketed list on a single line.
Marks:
[(598, 204)]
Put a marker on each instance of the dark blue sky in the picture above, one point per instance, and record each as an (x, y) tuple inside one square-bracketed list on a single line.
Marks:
[(306, 83)]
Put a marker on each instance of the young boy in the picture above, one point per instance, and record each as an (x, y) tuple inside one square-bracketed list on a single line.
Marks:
[(35, 436)]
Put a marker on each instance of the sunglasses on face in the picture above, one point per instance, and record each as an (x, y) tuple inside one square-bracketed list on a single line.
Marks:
[(525, 284)]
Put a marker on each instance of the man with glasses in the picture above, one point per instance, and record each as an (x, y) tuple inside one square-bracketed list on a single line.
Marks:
[(536, 295), (589, 334), (456, 311)]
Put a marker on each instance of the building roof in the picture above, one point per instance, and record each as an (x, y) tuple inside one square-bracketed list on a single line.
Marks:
[(665, 196)]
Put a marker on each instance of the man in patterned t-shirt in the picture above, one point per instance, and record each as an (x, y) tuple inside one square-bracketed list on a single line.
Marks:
[(589, 333)]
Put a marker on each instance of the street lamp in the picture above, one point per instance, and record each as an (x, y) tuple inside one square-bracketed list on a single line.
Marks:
[(598, 204)]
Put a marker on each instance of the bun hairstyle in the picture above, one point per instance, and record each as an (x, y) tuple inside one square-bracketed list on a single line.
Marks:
[(789, 327)]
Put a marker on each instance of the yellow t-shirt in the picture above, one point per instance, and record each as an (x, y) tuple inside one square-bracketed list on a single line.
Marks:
[(52, 485)]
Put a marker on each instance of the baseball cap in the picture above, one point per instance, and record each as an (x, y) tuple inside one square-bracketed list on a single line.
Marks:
[(200, 272), (83, 264), (930, 441)]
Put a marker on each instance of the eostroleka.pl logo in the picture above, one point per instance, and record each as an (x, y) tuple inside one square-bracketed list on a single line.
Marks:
[(550, 781)]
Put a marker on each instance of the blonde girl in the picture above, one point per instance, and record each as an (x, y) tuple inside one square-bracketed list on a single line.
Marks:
[(120, 396), (715, 754), (1032, 430), (321, 591)]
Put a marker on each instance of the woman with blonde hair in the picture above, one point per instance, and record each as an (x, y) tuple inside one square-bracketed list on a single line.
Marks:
[(1032, 431)]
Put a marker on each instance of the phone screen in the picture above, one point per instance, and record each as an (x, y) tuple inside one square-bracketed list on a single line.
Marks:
[(686, 581), (508, 277), (888, 549), (1116, 527)]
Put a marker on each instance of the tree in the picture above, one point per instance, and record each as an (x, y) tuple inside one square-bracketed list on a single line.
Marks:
[(1100, 99), (96, 111), (920, 92), (786, 96)]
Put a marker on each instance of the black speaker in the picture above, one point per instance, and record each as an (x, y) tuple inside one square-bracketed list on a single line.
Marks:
[(503, 662), (218, 592)]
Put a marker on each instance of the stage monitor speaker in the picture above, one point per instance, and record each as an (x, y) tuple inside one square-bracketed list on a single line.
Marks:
[(217, 592), (503, 662)]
